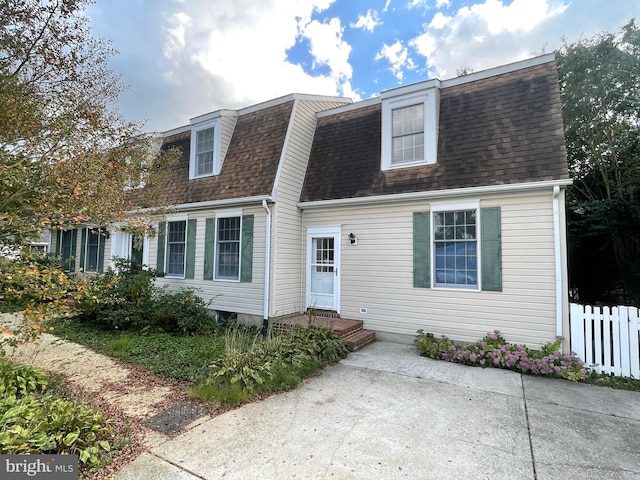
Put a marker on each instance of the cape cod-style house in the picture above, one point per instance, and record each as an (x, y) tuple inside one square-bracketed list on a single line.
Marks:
[(435, 206)]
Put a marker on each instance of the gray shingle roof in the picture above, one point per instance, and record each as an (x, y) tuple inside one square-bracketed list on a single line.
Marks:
[(504, 129)]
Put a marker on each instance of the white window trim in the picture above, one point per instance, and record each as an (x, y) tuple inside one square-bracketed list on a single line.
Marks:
[(227, 213), (176, 218), (448, 207), (428, 100), (217, 136)]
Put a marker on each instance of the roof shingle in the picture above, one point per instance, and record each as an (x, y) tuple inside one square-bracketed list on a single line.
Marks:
[(503, 129)]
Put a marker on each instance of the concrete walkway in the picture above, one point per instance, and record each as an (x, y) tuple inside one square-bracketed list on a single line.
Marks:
[(387, 413)]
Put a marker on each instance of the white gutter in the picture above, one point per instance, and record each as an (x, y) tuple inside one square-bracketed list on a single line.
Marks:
[(558, 259), (212, 203), (267, 268), (431, 194)]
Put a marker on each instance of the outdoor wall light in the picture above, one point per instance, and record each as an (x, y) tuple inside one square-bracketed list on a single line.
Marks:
[(353, 240)]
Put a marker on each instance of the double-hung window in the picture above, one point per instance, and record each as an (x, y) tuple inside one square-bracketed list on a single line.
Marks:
[(408, 134), (410, 124), (204, 151), (204, 157), (228, 248), (66, 247), (176, 248), (455, 243), (92, 253)]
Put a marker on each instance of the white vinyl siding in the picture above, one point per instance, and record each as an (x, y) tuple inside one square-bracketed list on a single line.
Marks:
[(287, 266), (524, 311), (240, 297)]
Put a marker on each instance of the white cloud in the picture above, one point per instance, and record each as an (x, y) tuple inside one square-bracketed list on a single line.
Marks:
[(417, 3), (398, 56), (490, 32), (439, 21), (443, 3), (328, 47), (368, 22), (235, 54), (175, 41)]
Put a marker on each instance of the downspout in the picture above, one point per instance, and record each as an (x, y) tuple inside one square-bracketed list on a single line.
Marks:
[(267, 269), (558, 259)]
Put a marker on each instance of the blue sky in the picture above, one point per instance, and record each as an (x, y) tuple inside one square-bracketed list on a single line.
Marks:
[(184, 58)]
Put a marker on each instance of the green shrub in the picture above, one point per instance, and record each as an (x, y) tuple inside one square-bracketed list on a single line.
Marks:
[(254, 365), (34, 422), (126, 298), (21, 380), (36, 285)]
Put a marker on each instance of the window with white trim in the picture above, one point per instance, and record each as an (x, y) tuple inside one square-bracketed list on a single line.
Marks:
[(408, 134), (204, 158), (455, 244), (176, 248), (227, 261), (410, 128), (204, 152)]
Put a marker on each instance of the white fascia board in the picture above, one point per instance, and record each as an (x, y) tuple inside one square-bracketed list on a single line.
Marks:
[(176, 131), (228, 202), (409, 89), (212, 116), (511, 188)]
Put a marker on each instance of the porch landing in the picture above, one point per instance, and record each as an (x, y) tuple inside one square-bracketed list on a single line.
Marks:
[(351, 331)]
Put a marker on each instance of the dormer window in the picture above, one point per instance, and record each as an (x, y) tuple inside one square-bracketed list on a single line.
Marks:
[(410, 126), (205, 150), (408, 134)]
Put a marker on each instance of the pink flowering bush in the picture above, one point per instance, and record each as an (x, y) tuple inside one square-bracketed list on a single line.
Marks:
[(494, 351)]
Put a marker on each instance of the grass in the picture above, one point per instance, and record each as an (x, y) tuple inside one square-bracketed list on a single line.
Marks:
[(175, 356)]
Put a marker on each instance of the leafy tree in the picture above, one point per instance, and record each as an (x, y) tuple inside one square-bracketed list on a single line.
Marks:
[(600, 88), (66, 156)]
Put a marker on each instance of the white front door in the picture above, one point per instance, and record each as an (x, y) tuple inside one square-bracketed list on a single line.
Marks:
[(323, 268)]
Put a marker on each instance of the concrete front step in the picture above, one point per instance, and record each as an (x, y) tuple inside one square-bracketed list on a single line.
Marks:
[(358, 339)]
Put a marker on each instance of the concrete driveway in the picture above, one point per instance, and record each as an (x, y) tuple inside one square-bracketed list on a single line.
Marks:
[(387, 413)]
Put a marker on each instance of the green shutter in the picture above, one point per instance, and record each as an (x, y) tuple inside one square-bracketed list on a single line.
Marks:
[(491, 249), (209, 247), (59, 242), (421, 250), (74, 247), (246, 249), (162, 231), (102, 240), (83, 248), (189, 271)]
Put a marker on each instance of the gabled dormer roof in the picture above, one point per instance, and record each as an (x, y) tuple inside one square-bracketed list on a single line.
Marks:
[(497, 127)]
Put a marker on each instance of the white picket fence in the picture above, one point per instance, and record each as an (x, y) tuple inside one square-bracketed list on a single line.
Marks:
[(607, 339)]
